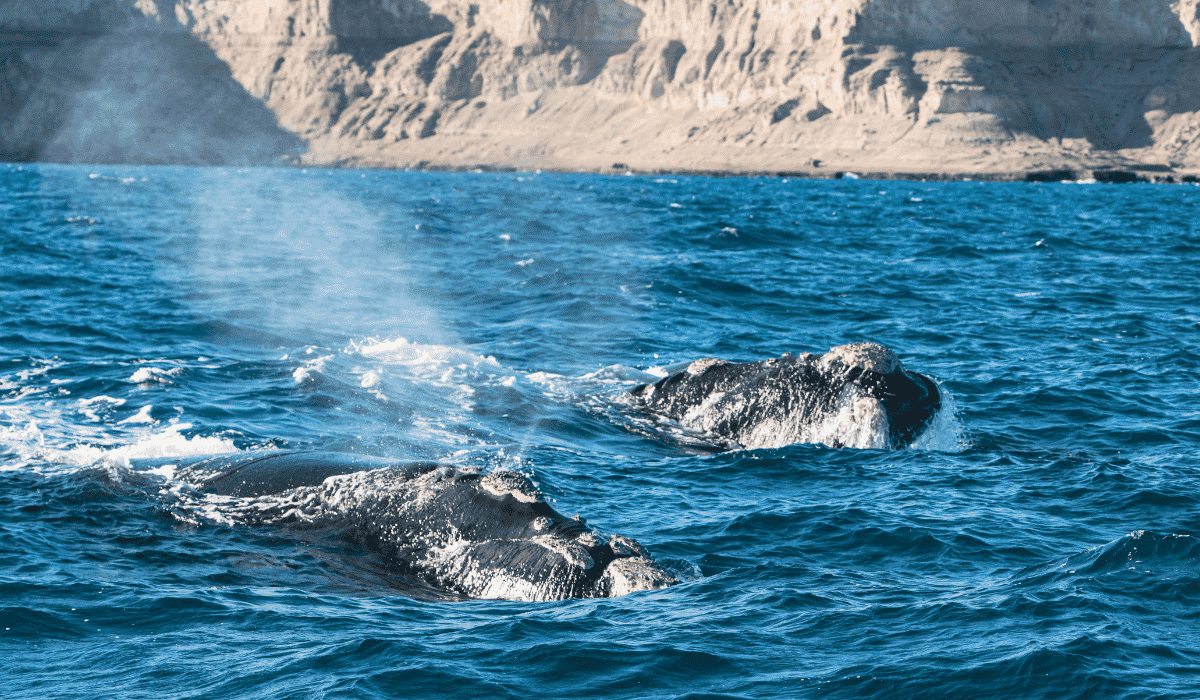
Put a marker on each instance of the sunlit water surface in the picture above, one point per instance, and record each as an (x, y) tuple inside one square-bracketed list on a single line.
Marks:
[(1040, 542)]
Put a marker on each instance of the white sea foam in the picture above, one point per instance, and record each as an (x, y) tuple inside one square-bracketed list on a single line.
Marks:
[(33, 447), (142, 416), (310, 368), (155, 375), (164, 444), (447, 382), (97, 408), (945, 432), (440, 366), (411, 354), (22, 441), (22, 382), (57, 435), (603, 381)]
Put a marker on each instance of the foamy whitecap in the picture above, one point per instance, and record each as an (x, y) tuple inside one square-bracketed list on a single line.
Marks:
[(23, 441), (311, 367), (403, 352), (152, 375), (167, 444), (23, 383), (30, 445), (602, 381), (142, 416), (440, 366), (97, 408), (370, 379)]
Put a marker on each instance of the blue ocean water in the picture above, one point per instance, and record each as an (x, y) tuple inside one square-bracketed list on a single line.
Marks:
[(1039, 542)]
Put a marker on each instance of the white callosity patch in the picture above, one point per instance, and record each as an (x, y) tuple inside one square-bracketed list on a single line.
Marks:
[(502, 587), (635, 572), (868, 356), (630, 575), (501, 484), (701, 366), (860, 422), (481, 536), (856, 422), (854, 419)]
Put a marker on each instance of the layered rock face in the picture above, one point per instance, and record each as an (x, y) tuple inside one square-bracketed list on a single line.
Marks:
[(891, 85)]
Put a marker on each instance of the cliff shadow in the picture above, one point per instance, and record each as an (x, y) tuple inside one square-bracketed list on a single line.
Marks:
[(603, 29), (1074, 92), (368, 32), (132, 97)]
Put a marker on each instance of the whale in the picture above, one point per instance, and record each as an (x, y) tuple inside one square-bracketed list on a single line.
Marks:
[(470, 535), (857, 395)]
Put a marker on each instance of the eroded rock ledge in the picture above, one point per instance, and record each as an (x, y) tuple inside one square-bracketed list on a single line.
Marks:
[(805, 86)]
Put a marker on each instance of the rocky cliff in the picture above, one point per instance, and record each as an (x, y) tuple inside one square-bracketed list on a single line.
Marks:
[(961, 86)]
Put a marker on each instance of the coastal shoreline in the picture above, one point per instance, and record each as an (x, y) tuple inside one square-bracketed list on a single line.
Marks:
[(1104, 175), (1137, 175)]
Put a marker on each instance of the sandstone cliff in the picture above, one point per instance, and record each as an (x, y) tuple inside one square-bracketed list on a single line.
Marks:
[(960, 86)]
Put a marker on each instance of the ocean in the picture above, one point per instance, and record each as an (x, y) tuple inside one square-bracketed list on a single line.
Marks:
[(1039, 541)]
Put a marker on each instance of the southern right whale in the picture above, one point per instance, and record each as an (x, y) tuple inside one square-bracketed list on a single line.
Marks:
[(855, 395), (475, 535)]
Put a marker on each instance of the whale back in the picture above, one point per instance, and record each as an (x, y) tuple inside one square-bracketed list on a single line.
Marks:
[(477, 535), (279, 472)]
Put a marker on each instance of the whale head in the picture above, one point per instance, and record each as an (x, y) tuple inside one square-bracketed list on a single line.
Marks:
[(855, 395), (508, 543), (908, 399)]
